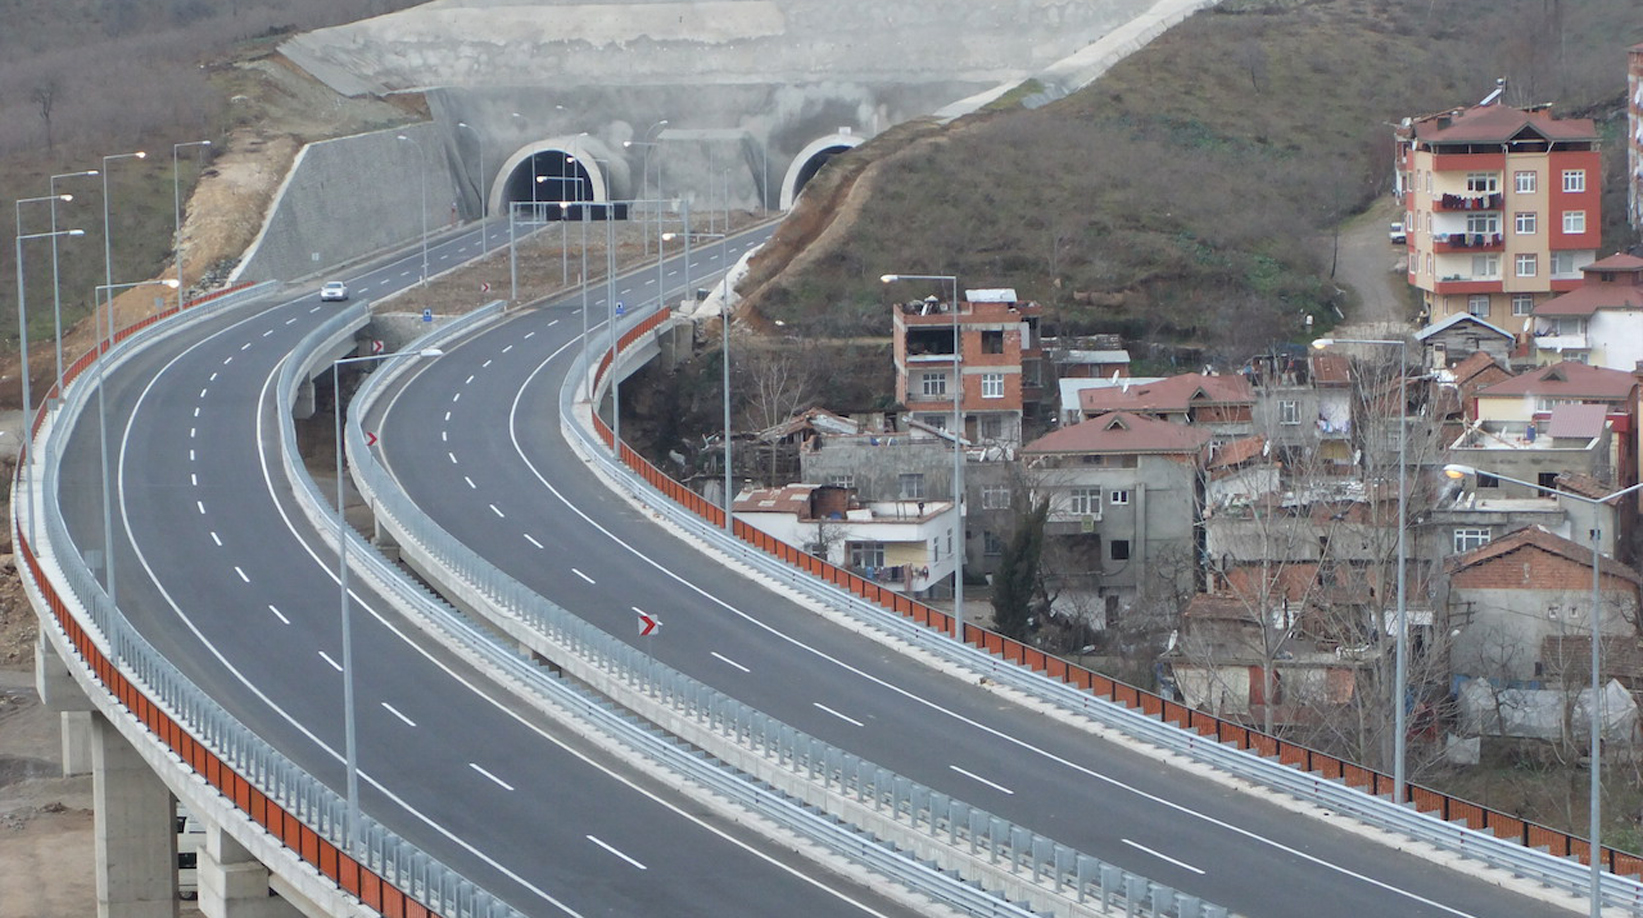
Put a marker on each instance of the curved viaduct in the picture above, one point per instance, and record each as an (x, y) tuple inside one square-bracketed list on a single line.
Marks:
[(743, 99)]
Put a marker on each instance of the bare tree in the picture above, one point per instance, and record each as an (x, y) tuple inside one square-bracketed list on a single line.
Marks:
[(44, 98)]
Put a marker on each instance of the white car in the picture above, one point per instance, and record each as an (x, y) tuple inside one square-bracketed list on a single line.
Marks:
[(1396, 234), (334, 291)]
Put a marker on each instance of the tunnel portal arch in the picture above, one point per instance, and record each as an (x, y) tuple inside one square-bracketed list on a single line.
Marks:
[(810, 160), (555, 169)]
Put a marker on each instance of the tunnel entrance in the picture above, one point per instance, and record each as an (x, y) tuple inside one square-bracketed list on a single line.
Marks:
[(555, 176), (810, 161)]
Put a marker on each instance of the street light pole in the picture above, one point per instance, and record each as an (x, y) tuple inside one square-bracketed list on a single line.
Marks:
[(1400, 678), (107, 291), (423, 156), (108, 247), (56, 283), (23, 347), (484, 198), (350, 746), (1595, 708), (177, 211), (958, 448)]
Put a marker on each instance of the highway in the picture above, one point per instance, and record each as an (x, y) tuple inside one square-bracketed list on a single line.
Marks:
[(474, 437), (218, 568)]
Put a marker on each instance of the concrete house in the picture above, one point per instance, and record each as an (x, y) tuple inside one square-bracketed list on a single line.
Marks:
[(1222, 405), (1124, 495), (1000, 359), (1600, 322), (1505, 598)]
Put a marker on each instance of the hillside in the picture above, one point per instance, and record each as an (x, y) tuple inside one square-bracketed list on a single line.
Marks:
[(1189, 197)]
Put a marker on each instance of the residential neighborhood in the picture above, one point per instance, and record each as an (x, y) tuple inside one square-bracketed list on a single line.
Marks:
[(1238, 526)]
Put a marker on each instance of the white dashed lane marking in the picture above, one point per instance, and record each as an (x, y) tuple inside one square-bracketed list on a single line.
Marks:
[(334, 664), (279, 615), (505, 785), (729, 662), (584, 576), (394, 711)]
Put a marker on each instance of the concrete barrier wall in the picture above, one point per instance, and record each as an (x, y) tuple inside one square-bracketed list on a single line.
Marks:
[(351, 197)]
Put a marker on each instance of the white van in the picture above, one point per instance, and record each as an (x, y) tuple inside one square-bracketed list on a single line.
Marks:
[(190, 839)]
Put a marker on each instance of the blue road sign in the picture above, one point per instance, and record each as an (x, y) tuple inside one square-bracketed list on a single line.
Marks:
[(621, 308), (427, 315)]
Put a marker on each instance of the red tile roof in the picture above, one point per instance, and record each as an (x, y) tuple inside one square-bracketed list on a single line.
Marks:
[(1538, 537), (1175, 393), (1499, 124), (1619, 261), (1121, 432), (1238, 452), (1480, 362), (1566, 380), (1581, 421)]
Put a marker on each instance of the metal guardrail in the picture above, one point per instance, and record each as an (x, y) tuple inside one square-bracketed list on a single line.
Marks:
[(1284, 773), (977, 845), (387, 873)]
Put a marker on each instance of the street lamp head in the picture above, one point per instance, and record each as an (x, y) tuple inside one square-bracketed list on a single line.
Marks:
[(401, 137), (430, 352), (1322, 343), (1457, 471), (140, 154), (172, 282), (65, 197), (76, 232), (889, 278), (462, 124)]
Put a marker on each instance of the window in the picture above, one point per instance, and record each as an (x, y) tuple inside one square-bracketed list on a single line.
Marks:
[(1574, 180), (1289, 412), (991, 545), (1428, 262), (992, 342), (1485, 265), (992, 426), (1523, 304), (842, 481), (866, 554), (1483, 182), (1120, 549), (995, 497), (1574, 221), (1478, 304), (911, 485), (1483, 223), (1486, 480), (992, 385), (1563, 263), (933, 384), (1524, 181), (1526, 264), (1032, 373), (1548, 481), (1468, 539), (1118, 498), (1084, 501), (1524, 223), (936, 421)]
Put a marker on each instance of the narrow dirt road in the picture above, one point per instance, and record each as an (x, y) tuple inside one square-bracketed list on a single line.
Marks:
[(1373, 268)]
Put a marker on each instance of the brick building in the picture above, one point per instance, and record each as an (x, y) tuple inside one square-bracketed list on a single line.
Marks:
[(1501, 208), (1000, 359)]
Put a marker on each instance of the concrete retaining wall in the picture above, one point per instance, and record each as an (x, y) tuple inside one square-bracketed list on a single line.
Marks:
[(351, 197)]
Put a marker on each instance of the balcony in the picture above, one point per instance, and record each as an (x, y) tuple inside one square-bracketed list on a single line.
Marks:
[(1457, 203), (1468, 242), (1558, 343)]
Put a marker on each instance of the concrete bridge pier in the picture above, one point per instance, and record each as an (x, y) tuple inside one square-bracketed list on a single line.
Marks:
[(233, 884), (59, 692), (135, 828)]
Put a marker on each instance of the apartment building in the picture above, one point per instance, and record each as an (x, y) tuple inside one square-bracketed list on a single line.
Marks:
[(1501, 208), (1000, 359), (1634, 134)]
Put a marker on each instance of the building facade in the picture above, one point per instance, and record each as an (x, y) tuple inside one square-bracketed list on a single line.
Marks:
[(1000, 360), (1501, 208)]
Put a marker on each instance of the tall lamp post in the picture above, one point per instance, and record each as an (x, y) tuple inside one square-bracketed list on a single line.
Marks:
[(56, 282), (423, 156), (958, 441), (644, 172), (484, 197), (1400, 677), (103, 291), (23, 344), (177, 210), (108, 246), (1595, 708), (350, 747)]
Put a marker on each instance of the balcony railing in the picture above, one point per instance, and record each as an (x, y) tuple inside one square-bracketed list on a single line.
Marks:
[(1577, 341), (1468, 242), (1464, 202)]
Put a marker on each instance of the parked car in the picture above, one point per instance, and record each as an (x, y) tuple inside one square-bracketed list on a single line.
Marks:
[(1396, 234), (333, 291)]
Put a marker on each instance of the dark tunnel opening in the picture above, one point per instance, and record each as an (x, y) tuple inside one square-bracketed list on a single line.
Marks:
[(552, 176), (814, 165)]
